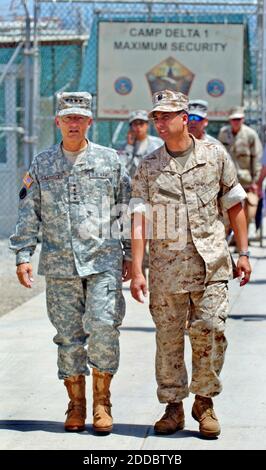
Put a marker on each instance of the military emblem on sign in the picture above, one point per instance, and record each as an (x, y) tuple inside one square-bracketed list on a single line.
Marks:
[(123, 85), (170, 74)]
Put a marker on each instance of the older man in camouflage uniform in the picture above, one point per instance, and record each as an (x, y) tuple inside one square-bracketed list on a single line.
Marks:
[(181, 186), (245, 148), (71, 189), (139, 142)]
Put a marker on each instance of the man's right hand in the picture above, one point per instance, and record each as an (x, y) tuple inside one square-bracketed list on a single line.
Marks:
[(138, 288), (24, 274), (131, 137)]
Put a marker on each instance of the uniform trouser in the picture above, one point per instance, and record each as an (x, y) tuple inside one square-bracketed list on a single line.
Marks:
[(207, 314), (86, 312)]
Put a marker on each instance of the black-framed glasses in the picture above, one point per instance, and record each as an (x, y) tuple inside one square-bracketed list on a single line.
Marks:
[(194, 117)]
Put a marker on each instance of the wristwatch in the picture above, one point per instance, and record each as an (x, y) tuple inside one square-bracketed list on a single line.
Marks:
[(244, 253)]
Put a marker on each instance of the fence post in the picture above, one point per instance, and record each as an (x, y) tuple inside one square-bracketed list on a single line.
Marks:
[(27, 89)]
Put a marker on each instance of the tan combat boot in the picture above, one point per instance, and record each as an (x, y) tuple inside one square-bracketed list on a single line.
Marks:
[(203, 412), (76, 412), (102, 418), (173, 419)]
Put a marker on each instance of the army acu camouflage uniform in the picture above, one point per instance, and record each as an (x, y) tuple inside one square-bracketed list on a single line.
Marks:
[(77, 261), (246, 151), (189, 274)]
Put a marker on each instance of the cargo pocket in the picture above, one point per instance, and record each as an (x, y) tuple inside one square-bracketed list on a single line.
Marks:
[(116, 301)]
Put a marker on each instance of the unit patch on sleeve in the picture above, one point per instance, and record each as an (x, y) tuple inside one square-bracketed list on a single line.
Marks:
[(27, 181)]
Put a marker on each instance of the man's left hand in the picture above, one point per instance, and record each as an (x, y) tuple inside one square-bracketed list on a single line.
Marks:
[(126, 270), (243, 267)]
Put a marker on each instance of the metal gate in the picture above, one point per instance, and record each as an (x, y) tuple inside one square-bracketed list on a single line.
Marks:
[(8, 153)]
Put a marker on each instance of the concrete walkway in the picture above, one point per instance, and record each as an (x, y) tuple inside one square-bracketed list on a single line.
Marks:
[(34, 400)]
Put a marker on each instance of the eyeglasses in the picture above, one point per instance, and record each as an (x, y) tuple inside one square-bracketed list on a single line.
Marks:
[(193, 117)]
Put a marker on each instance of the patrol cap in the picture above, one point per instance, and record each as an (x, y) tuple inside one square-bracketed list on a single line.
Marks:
[(169, 101), (74, 103), (139, 114), (198, 108), (237, 112)]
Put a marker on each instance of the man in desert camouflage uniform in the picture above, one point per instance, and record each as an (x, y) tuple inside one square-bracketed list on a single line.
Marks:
[(180, 187), (71, 189), (245, 148)]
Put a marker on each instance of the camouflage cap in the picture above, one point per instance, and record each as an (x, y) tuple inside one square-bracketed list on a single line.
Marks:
[(139, 114), (237, 112), (74, 103), (198, 108), (169, 101)]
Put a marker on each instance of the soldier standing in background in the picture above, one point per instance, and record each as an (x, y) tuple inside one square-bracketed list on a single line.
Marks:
[(198, 120), (139, 145), (245, 148), (83, 264), (139, 142), (197, 124), (189, 265)]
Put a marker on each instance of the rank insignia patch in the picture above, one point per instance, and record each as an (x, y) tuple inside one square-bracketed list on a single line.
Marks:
[(27, 180)]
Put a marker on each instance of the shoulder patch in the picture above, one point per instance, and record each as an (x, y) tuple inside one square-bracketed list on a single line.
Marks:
[(27, 181), (22, 193)]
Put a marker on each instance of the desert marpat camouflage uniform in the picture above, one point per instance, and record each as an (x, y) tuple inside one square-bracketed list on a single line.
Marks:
[(246, 151), (210, 138), (194, 277), (74, 257)]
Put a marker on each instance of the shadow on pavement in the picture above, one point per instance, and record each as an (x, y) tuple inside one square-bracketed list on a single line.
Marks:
[(248, 317), (144, 430), (147, 329), (258, 281), (121, 429), (28, 425)]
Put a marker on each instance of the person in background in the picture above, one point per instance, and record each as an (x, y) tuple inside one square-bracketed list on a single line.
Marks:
[(262, 173), (244, 145), (83, 266), (139, 142), (139, 145), (198, 120), (197, 124)]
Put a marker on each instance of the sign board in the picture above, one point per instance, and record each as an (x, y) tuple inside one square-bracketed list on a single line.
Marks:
[(156, 2), (135, 59)]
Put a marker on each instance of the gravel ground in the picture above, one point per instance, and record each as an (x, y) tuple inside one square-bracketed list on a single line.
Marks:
[(12, 294)]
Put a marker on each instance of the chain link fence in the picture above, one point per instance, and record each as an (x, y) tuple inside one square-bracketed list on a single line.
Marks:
[(54, 47)]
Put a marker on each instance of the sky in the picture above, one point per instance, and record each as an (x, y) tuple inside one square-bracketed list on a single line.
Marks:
[(10, 7)]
